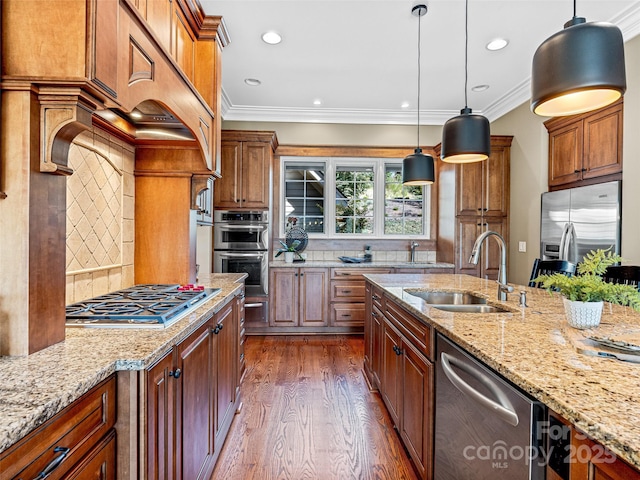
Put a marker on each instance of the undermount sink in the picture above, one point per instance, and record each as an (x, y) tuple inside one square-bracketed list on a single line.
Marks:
[(461, 302), (471, 308), (447, 298)]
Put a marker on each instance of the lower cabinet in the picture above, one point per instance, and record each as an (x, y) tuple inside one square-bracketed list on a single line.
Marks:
[(399, 350), (299, 297), (348, 296), (77, 443), (574, 456), (191, 398)]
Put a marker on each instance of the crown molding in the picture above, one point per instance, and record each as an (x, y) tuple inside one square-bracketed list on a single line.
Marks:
[(628, 21)]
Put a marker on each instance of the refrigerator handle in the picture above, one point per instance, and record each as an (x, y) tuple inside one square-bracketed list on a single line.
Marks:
[(570, 253), (563, 240)]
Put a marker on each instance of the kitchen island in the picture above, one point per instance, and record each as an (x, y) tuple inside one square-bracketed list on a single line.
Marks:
[(532, 348), (36, 387)]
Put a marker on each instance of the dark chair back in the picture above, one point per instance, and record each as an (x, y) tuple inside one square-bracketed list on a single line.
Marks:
[(627, 274), (549, 267)]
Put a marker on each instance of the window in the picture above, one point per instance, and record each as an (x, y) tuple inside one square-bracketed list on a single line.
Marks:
[(403, 206), (351, 197)]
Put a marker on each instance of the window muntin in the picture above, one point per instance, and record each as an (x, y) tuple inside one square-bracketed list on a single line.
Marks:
[(351, 198)]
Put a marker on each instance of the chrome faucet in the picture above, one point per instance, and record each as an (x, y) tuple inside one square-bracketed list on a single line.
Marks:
[(503, 288), (413, 251)]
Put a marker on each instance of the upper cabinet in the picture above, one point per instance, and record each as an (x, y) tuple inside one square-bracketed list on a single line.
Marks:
[(246, 170), (483, 187), (587, 148)]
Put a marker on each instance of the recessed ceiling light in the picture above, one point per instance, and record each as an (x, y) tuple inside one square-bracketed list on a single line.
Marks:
[(404, 105), (480, 88), (497, 44), (317, 101), (272, 38), (253, 82)]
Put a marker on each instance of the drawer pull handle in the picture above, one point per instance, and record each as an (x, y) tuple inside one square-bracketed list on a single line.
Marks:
[(346, 291), (345, 274), (397, 349), (175, 373), (345, 315), (55, 463)]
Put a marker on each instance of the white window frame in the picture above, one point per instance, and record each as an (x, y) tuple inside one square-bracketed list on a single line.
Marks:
[(331, 164)]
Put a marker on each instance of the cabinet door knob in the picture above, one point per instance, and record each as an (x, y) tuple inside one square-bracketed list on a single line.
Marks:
[(374, 314), (584, 169), (175, 373), (576, 171)]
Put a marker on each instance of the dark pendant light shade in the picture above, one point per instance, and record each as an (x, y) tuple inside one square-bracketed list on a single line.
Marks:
[(417, 169), (579, 69), (466, 138)]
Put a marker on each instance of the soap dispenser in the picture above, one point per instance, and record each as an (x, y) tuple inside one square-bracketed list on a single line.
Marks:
[(367, 253)]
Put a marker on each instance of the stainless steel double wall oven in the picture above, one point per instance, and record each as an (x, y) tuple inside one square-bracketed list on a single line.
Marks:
[(241, 245)]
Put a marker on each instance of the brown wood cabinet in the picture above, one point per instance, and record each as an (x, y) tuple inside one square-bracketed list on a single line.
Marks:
[(574, 456), (406, 383), (468, 229), (191, 398), (585, 148), (482, 203), (298, 297), (347, 307), (246, 170), (78, 442), (399, 362)]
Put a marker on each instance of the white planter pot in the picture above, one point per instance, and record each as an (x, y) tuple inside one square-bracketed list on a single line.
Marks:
[(288, 257), (583, 315)]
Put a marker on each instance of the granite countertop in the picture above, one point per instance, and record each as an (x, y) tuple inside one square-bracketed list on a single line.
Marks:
[(374, 264), (36, 387), (535, 349)]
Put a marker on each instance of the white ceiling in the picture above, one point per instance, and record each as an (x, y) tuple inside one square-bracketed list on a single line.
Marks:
[(360, 57)]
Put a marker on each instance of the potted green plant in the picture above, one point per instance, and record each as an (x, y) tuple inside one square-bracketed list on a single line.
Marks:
[(585, 293), (288, 250)]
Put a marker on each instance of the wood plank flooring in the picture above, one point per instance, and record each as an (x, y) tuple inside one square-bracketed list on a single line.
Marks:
[(308, 414)]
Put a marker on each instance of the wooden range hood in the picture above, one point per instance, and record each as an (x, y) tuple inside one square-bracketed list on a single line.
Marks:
[(70, 66)]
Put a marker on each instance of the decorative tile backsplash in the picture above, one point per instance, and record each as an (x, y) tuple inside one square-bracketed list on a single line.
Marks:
[(100, 216)]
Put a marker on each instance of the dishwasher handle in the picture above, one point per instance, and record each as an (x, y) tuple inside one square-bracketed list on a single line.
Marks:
[(503, 409)]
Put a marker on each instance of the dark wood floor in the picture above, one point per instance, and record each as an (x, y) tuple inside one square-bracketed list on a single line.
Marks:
[(308, 414)]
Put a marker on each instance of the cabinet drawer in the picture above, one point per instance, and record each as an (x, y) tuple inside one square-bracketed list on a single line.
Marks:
[(78, 428), (347, 315), (347, 291), (377, 298), (418, 333), (356, 273)]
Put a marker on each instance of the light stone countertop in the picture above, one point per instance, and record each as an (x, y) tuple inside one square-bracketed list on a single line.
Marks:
[(532, 347), (374, 264), (36, 387)]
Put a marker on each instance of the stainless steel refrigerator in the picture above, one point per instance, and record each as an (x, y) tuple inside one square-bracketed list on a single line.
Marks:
[(578, 220)]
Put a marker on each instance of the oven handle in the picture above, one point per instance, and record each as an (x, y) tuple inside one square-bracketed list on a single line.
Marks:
[(253, 305), (248, 228), (242, 254), (504, 410)]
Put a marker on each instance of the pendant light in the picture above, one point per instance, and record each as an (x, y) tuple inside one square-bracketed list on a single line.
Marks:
[(417, 168), (466, 138), (578, 69)]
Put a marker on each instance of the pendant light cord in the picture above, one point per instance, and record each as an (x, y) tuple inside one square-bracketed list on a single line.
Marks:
[(466, 51), (419, 22)]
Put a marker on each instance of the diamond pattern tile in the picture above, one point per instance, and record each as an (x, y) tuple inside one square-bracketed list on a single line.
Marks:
[(94, 211)]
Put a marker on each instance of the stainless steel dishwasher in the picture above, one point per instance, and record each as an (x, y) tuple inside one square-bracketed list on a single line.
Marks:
[(485, 428)]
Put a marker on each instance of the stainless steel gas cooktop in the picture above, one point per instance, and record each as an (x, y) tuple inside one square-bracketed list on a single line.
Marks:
[(140, 306)]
